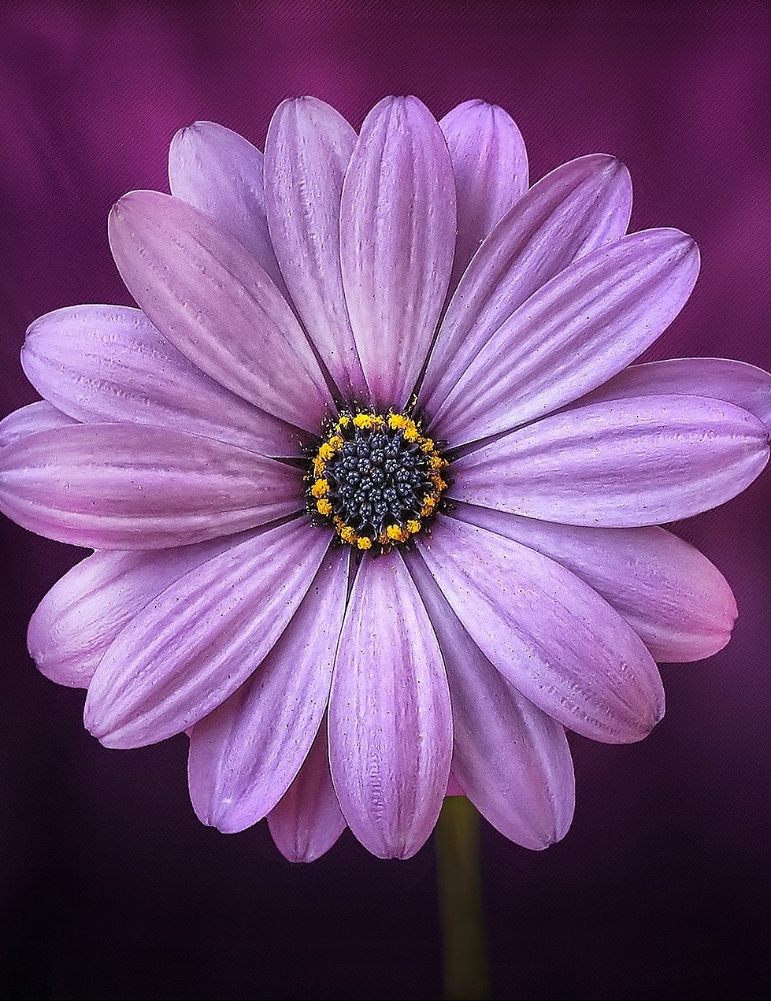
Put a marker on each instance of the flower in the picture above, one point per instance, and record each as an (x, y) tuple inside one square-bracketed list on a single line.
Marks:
[(372, 490)]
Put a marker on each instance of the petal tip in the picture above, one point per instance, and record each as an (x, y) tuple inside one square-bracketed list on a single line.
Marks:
[(109, 734), (126, 206), (615, 168), (682, 246)]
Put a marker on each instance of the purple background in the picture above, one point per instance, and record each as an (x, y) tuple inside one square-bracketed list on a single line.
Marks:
[(110, 887)]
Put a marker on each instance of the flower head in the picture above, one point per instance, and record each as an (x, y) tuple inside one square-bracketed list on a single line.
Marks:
[(371, 487)]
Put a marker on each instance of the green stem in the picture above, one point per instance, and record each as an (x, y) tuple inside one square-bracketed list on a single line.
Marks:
[(466, 960)]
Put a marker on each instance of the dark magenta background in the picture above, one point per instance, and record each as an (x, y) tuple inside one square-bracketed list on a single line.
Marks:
[(110, 887)]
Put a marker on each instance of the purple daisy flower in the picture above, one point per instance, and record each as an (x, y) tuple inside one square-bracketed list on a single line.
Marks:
[(371, 487)]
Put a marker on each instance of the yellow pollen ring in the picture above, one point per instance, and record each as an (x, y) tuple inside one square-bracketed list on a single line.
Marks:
[(320, 489)]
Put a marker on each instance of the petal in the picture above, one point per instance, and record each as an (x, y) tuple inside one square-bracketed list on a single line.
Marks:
[(306, 155), (716, 378), (390, 726), (453, 786), (677, 602), (307, 821), (580, 329), (109, 364), (120, 486), (510, 758), (549, 634), (626, 463), (38, 416), (574, 210), (202, 637), (245, 754), (84, 612), (489, 162), (221, 174), (206, 294), (397, 242)]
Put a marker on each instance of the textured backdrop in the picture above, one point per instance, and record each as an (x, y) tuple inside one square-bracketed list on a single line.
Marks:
[(109, 886)]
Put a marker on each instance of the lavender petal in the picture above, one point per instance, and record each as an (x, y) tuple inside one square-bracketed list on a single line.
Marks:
[(38, 416), (390, 725), (575, 333), (120, 486), (397, 237), (489, 162), (734, 382), (245, 754), (677, 602), (509, 757), (202, 637), (208, 296), (579, 207), (109, 364), (307, 152), (85, 611), (549, 634), (621, 464), (307, 820)]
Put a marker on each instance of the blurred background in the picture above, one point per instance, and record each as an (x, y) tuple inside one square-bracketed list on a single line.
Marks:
[(109, 886)]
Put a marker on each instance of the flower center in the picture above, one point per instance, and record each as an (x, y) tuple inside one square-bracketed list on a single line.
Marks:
[(376, 478)]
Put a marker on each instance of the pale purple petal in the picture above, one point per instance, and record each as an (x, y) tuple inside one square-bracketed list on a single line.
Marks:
[(717, 378), (510, 758), (208, 296), (548, 633), (307, 152), (621, 464), (202, 637), (245, 754), (83, 613), (580, 329), (307, 820), (120, 486), (38, 416), (489, 162), (109, 364), (453, 787), (397, 242), (390, 724), (577, 208), (677, 602), (221, 173)]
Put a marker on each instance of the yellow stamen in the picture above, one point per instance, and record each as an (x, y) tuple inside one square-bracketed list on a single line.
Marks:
[(363, 542), (320, 488), (323, 507), (429, 503), (396, 533)]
